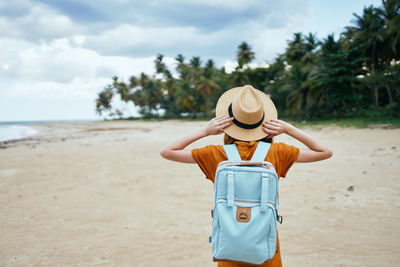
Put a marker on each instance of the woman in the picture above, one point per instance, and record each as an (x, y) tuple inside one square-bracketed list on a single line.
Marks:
[(247, 116)]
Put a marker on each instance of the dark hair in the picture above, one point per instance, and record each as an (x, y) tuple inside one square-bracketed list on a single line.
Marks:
[(230, 140)]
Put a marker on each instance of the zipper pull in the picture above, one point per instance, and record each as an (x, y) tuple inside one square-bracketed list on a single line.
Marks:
[(279, 218)]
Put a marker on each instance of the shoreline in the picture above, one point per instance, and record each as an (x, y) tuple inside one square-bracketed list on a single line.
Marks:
[(12, 132)]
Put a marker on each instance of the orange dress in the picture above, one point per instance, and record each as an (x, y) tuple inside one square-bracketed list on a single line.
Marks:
[(281, 155)]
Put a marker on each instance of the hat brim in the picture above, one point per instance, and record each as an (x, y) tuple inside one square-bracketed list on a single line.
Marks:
[(240, 133)]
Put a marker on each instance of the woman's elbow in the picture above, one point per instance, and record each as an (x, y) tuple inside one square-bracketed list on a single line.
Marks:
[(164, 153), (329, 153)]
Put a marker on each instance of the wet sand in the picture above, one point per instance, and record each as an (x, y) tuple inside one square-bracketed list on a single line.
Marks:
[(98, 193)]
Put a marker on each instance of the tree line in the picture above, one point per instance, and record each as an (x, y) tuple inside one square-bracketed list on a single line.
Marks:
[(353, 75)]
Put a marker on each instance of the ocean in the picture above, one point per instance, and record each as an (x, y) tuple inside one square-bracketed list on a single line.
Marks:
[(12, 130)]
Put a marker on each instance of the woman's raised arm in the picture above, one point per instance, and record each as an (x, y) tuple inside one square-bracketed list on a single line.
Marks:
[(175, 151), (315, 151)]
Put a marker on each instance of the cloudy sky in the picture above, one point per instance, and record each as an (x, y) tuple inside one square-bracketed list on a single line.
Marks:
[(56, 55)]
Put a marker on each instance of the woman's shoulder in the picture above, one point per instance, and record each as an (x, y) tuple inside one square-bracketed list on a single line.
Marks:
[(210, 147), (281, 149), (208, 150), (281, 145)]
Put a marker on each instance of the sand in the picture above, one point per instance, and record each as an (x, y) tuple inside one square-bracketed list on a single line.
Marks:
[(98, 193)]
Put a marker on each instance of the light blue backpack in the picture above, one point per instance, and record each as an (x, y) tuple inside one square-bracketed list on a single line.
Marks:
[(245, 214)]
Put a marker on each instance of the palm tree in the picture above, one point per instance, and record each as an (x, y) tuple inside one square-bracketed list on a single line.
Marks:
[(195, 62), (161, 67), (369, 32), (182, 67), (390, 13), (208, 87), (168, 86), (122, 89), (195, 71), (298, 83), (296, 48), (180, 58), (185, 99), (323, 73), (311, 42), (244, 55), (329, 45), (148, 95), (133, 82), (103, 101), (337, 90)]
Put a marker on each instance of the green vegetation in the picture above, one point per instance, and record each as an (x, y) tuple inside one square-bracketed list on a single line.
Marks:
[(389, 123), (354, 78)]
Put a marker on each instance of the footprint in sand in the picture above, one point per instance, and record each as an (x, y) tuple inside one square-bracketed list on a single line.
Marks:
[(350, 188)]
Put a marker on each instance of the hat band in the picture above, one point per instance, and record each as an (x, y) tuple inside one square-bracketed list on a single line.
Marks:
[(241, 124)]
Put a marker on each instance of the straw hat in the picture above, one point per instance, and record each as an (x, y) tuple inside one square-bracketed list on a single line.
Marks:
[(250, 108)]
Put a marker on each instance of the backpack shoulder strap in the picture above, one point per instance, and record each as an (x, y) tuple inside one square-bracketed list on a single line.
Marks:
[(232, 153), (261, 152)]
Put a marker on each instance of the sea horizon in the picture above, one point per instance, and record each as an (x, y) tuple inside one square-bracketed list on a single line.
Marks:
[(44, 121), (14, 130)]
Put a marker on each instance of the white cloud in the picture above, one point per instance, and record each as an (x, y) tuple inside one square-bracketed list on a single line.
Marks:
[(60, 70), (232, 5), (271, 41), (77, 88), (230, 66), (62, 61), (129, 38), (44, 81), (39, 22)]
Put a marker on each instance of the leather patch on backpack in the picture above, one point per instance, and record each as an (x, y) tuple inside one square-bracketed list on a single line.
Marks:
[(243, 214)]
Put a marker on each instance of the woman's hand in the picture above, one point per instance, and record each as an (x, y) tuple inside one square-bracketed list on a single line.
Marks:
[(276, 127), (217, 125)]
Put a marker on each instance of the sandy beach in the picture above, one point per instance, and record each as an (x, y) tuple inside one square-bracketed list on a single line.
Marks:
[(99, 194)]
